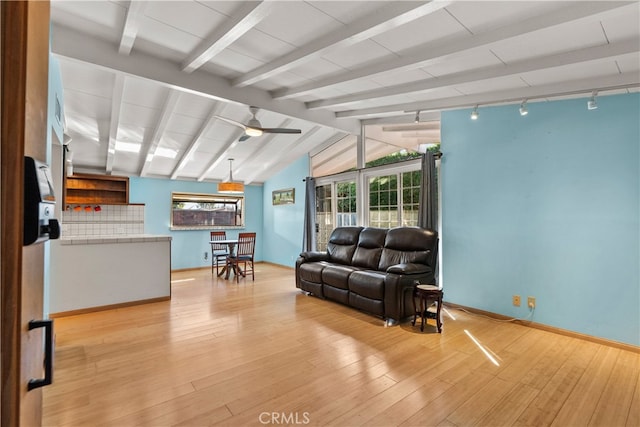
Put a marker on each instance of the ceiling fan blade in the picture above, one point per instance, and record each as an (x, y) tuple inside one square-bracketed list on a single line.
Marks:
[(280, 130), (243, 138), (232, 122)]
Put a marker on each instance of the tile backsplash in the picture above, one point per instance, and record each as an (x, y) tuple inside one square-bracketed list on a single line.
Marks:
[(106, 221)]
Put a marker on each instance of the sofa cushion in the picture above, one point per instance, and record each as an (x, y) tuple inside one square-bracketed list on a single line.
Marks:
[(312, 271), (369, 249), (336, 294), (409, 269), (372, 306), (367, 283), (342, 244), (337, 275), (404, 245)]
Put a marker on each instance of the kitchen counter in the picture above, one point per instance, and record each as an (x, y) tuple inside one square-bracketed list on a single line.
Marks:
[(117, 238), (90, 273)]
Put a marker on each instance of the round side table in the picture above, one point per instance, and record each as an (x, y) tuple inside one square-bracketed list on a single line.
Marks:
[(426, 294)]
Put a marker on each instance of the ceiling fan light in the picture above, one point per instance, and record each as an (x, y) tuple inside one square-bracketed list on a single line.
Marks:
[(253, 131)]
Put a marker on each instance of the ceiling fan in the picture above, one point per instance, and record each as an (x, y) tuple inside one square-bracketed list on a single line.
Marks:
[(254, 127)]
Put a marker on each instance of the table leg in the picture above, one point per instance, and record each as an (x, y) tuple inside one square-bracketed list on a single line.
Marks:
[(438, 315), (415, 311), (423, 311)]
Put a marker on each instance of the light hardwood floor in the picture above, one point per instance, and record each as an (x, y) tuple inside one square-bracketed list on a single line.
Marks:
[(263, 353)]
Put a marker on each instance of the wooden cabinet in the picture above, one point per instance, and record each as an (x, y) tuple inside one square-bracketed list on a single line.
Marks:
[(103, 189)]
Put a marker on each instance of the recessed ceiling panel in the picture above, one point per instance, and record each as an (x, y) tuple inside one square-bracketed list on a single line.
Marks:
[(570, 72), (167, 37), (86, 79), (195, 18), (467, 61), (235, 61), (317, 68), (103, 20), (347, 11), (483, 16), (92, 106), (137, 115), (184, 125), (433, 27), (625, 26), (400, 77), (629, 63), (550, 41), (193, 105), (297, 23), (261, 46), (144, 93), (487, 86), (359, 54)]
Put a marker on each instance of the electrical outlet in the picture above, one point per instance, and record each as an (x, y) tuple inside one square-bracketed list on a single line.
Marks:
[(206, 256), (516, 300), (531, 302)]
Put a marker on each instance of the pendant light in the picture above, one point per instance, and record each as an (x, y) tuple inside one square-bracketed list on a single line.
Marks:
[(231, 186)]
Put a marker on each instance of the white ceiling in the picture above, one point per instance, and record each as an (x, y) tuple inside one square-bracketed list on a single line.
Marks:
[(155, 73)]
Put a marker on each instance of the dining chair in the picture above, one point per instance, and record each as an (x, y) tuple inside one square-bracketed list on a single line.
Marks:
[(219, 251), (243, 255)]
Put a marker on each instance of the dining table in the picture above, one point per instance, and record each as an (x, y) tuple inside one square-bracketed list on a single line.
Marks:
[(231, 244)]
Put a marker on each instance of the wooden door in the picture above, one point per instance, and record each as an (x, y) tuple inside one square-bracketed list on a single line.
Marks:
[(25, 66)]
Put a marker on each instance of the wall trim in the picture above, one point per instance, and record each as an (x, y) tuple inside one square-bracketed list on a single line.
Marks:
[(107, 307), (553, 329)]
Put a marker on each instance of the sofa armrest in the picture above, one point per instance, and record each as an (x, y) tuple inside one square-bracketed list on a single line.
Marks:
[(313, 256), (409, 268)]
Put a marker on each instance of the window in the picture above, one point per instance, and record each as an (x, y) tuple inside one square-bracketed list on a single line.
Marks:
[(190, 211), (383, 201), (410, 197), (324, 216), (346, 204)]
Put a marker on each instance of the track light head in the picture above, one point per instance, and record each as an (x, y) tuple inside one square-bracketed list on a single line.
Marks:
[(592, 104), (523, 108), (474, 113), (417, 118)]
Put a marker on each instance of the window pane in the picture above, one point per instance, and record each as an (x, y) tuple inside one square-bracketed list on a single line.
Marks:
[(324, 216), (190, 211), (383, 201), (410, 197), (346, 204)]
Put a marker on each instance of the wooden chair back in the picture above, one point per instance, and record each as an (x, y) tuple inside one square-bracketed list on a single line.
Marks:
[(246, 244), (218, 235)]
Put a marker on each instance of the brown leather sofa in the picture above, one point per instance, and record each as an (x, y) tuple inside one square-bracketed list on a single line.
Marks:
[(371, 269)]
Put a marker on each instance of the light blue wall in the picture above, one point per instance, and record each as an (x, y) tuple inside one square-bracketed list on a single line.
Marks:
[(188, 247), (283, 224), (546, 205)]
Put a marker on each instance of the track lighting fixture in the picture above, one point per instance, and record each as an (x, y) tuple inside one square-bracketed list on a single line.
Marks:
[(591, 104), (523, 108), (474, 113), (417, 119)]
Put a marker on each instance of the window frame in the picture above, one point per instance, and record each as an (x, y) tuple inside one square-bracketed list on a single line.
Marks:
[(206, 198)]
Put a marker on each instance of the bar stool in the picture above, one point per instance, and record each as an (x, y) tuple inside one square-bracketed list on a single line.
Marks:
[(426, 294)]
